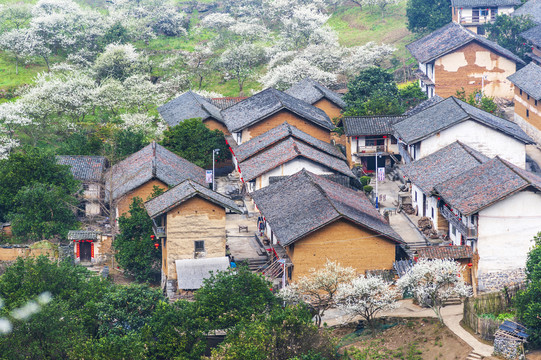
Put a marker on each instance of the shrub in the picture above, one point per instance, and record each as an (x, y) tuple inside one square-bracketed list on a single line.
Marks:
[(367, 189), (365, 180)]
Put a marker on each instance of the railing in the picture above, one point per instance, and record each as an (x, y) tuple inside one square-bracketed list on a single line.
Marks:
[(371, 149), (469, 232), (477, 19)]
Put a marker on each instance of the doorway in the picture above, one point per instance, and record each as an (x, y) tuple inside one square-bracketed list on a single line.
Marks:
[(85, 249)]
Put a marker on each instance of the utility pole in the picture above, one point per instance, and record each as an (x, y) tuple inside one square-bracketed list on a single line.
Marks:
[(376, 163), (214, 152)]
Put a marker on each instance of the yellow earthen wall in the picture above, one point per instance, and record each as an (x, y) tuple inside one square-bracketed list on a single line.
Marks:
[(216, 125), (278, 119), (522, 103), (348, 152), (344, 242), (332, 110), (464, 68), (143, 191), (14, 253), (194, 220)]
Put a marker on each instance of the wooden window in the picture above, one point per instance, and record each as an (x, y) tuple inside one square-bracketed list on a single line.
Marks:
[(199, 246), (527, 113), (520, 92), (528, 95), (432, 213)]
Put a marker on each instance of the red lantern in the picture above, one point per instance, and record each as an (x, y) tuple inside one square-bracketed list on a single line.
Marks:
[(156, 245), (152, 237), (470, 265)]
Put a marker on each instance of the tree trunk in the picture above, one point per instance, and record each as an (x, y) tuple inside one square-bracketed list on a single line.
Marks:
[(16, 65), (47, 62)]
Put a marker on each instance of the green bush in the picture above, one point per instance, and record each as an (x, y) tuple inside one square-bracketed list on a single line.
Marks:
[(367, 189), (365, 180)]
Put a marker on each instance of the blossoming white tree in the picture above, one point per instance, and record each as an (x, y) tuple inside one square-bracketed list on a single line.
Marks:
[(240, 62), (319, 289), (432, 282), (365, 296)]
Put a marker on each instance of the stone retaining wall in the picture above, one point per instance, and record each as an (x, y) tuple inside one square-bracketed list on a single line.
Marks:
[(496, 281), (508, 347)]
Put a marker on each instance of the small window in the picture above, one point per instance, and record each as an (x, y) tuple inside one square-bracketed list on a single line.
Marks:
[(521, 92), (453, 230), (432, 213), (199, 246), (528, 96), (527, 113), (535, 102), (416, 196)]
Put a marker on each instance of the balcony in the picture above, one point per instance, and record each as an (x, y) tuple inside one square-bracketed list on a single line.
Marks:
[(468, 231), (477, 19), (370, 149)]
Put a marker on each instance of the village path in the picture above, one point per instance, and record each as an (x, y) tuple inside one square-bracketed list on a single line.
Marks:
[(398, 222), (452, 315)]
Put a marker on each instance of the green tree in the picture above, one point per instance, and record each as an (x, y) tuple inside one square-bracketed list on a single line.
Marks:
[(229, 297), (478, 100), (135, 249), (411, 96), (27, 167), (428, 15), (192, 140), (528, 302), (52, 215), (281, 334), (506, 32)]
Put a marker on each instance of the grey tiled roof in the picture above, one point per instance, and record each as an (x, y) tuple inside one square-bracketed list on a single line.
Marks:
[(184, 191), (449, 38), (225, 102), (448, 113), (277, 134), (84, 168), (268, 102), (445, 252), (478, 3), (531, 8), (485, 185), (152, 162), (370, 125), (192, 272), (442, 165), (188, 106), (304, 202), (528, 79), (425, 104), (311, 91), (286, 151), (533, 35)]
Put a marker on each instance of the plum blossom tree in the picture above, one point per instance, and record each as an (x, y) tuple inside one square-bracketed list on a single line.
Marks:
[(240, 62), (432, 282), (320, 288), (365, 296), (119, 61), (15, 42)]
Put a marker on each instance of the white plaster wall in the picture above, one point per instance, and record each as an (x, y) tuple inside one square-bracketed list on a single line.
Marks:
[(506, 230), (416, 198), (432, 210), (292, 167), (481, 138)]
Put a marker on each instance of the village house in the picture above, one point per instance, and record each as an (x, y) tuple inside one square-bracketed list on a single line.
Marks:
[(473, 14), (91, 247), (533, 37), (497, 206), (315, 220), (189, 222), (370, 139), (189, 106), (426, 173), (313, 93), (528, 99), (452, 58), (453, 120), (270, 108), (287, 158), (89, 170), (139, 174)]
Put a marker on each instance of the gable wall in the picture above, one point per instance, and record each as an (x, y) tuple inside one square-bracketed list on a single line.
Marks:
[(213, 124), (346, 243), (481, 138), (143, 191), (531, 124), (332, 111), (464, 68), (194, 220), (279, 118), (506, 230)]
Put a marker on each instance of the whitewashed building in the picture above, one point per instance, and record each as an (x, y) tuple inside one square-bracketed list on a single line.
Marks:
[(473, 14), (453, 120)]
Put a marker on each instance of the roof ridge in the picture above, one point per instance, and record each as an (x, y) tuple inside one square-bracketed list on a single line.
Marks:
[(312, 178)]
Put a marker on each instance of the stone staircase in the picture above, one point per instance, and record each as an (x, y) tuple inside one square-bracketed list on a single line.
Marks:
[(474, 356)]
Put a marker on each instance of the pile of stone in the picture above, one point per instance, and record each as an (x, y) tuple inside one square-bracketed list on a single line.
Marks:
[(408, 209), (509, 340), (427, 228)]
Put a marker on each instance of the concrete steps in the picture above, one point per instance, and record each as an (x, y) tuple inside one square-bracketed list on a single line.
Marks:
[(452, 301), (474, 356)]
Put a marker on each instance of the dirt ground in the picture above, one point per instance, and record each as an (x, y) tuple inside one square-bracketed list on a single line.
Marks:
[(409, 339)]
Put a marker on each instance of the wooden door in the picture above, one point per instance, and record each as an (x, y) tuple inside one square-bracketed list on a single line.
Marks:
[(85, 251)]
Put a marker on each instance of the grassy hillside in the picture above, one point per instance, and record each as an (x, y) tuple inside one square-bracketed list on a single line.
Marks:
[(354, 27)]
